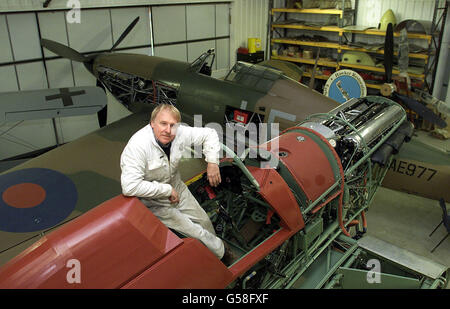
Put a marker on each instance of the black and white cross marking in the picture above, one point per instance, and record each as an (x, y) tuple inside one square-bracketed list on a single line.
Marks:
[(65, 95)]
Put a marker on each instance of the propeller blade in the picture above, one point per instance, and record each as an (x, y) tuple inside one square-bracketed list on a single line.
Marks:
[(63, 50), (125, 33), (422, 110), (389, 52)]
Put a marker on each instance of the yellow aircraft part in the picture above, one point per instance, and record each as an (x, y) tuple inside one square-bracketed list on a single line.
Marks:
[(387, 18), (361, 58)]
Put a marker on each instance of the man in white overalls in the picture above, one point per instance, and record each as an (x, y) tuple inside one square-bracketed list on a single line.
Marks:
[(149, 166)]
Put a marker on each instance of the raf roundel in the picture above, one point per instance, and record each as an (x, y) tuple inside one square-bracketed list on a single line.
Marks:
[(35, 199)]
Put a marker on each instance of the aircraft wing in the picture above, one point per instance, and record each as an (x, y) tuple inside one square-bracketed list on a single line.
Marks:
[(51, 103), (65, 183)]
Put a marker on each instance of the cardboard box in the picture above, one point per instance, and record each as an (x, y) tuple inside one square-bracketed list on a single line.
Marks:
[(422, 167)]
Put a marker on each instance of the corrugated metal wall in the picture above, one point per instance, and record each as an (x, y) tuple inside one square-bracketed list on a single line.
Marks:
[(249, 19), (370, 11)]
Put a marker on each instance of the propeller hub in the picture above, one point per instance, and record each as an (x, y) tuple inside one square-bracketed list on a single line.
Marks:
[(387, 89)]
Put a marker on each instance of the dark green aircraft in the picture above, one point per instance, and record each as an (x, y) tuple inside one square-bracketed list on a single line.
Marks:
[(259, 93)]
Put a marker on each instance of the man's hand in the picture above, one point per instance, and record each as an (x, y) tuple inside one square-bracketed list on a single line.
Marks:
[(173, 198), (213, 172)]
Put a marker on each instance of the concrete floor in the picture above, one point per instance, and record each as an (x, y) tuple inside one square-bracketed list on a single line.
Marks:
[(406, 221)]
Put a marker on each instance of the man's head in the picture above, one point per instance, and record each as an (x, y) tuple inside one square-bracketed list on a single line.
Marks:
[(164, 121)]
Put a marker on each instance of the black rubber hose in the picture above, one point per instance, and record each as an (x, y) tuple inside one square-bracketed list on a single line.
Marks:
[(382, 155)]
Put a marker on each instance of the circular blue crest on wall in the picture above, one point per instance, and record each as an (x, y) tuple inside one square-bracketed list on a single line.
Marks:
[(344, 85)]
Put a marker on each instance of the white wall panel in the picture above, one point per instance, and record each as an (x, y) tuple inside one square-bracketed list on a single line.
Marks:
[(175, 52), (222, 54), (82, 36), (222, 19), (5, 46), (82, 76), (59, 72), (169, 24), (8, 79), (172, 24), (53, 26), (31, 76), (121, 18), (200, 21), (142, 51), (116, 110), (25, 44)]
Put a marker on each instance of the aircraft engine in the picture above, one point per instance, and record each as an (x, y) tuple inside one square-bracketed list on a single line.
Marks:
[(357, 125), (339, 157), (131, 89)]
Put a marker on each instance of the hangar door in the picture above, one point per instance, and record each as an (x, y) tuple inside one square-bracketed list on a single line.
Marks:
[(180, 32)]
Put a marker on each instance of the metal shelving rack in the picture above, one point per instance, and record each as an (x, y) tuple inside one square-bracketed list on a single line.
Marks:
[(434, 41)]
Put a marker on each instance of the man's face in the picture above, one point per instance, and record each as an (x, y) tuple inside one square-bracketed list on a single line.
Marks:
[(164, 126)]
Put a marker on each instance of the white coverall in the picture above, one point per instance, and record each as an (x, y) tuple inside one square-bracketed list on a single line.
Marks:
[(148, 175)]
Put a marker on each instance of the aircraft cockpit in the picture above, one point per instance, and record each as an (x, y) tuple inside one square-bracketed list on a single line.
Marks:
[(254, 76), (203, 64)]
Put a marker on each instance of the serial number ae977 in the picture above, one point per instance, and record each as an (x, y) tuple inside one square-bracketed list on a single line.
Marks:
[(247, 298), (410, 169)]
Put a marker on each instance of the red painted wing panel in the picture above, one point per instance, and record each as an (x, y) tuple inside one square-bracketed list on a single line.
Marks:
[(189, 266), (113, 242)]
